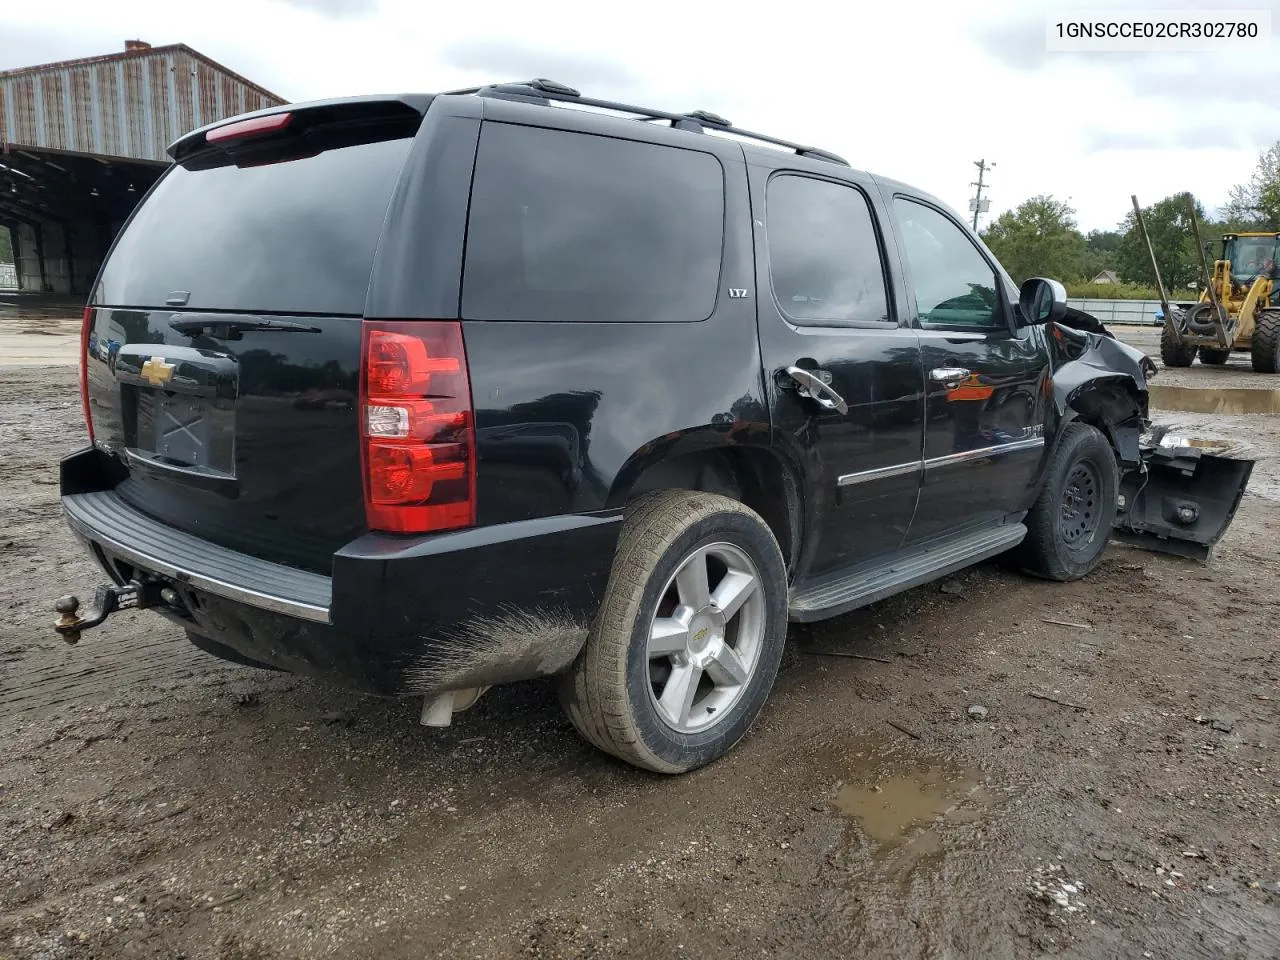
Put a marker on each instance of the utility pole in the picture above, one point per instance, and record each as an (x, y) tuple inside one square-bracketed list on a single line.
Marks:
[(976, 204)]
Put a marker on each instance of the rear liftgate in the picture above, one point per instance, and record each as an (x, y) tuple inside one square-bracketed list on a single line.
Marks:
[(1185, 497)]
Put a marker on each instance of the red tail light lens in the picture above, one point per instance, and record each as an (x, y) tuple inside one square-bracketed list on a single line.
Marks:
[(400, 366), (417, 428), (85, 327)]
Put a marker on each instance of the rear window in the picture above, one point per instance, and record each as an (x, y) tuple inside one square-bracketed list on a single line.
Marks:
[(575, 227), (295, 236)]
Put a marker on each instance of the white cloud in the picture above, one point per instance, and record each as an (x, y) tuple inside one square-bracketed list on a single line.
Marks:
[(916, 92)]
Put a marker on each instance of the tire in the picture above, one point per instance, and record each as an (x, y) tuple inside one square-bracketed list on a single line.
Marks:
[(1070, 523), (624, 698), (1173, 352), (1266, 342), (1214, 358), (1200, 318)]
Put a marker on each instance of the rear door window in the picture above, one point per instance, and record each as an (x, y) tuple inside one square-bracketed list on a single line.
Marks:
[(296, 236), (824, 255), (575, 227)]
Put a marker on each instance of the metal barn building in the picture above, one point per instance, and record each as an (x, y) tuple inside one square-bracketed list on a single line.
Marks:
[(82, 140)]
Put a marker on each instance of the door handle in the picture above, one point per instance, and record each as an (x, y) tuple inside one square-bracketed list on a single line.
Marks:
[(809, 383), (950, 377)]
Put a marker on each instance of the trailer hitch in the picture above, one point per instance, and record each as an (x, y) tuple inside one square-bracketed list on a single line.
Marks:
[(134, 595)]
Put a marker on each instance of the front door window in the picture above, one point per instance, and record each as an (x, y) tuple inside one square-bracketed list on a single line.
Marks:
[(953, 283)]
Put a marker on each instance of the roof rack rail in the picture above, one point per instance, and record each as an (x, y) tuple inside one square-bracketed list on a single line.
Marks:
[(698, 121)]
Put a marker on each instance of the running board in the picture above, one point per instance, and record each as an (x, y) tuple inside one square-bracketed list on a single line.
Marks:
[(834, 594)]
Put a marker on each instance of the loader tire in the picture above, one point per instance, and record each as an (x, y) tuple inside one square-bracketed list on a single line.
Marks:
[(1173, 352), (1266, 342), (1069, 525), (1214, 358)]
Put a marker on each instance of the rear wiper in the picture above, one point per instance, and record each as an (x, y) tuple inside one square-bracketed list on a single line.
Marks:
[(233, 328)]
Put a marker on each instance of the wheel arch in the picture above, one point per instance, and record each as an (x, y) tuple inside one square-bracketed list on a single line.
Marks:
[(1114, 403), (752, 474)]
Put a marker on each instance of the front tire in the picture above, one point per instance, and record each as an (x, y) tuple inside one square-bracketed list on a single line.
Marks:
[(1070, 524), (1265, 349), (687, 642), (1173, 352)]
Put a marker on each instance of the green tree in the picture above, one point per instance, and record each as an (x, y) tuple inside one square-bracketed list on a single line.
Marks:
[(1169, 226), (1038, 239), (1100, 252), (1103, 242), (6, 246), (1257, 203)]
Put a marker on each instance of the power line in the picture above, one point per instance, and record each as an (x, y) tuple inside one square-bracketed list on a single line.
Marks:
[(976, 204)]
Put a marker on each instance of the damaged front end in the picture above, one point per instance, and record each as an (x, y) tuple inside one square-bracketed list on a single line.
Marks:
[(1178, 494), (1184, 496)]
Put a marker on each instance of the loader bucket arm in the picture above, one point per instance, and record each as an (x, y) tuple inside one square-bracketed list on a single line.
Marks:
[(1223, 325), (1155, 267)]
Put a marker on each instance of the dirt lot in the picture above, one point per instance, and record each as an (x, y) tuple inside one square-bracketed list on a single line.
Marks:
[(1120, 799)]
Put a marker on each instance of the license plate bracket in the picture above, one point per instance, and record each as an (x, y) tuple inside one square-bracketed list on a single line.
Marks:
[(176, 428), (179, 411)]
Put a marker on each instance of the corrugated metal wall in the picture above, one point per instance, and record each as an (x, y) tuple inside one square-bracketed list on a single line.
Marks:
[(130, 106), (26, 255)]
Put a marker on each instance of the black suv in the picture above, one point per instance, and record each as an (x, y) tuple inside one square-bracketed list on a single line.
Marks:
[(422, 394)]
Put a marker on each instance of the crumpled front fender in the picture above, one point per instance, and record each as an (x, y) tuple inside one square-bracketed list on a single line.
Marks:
[(1103, 381), (1185, 496)]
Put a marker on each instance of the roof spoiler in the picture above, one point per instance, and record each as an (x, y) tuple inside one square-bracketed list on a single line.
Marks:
[(314, 113)]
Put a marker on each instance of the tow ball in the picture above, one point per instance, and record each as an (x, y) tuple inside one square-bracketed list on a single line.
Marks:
[(134, 595)]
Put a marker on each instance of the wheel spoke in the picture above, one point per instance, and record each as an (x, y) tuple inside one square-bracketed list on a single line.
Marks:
[(667, 636), (733, 591), (678, 692), (691, 582), (727, 668)]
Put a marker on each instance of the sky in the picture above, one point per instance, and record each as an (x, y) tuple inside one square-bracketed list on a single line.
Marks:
[(916, 91)]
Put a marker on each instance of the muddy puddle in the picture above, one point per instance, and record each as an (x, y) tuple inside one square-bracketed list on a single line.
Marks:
[(1218, 400), (894, 800)]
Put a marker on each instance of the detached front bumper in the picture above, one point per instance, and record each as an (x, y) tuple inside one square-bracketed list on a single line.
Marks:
[(400, 615), (1185, 498)]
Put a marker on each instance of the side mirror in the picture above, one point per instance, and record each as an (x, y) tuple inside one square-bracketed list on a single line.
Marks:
[(1042, 300)]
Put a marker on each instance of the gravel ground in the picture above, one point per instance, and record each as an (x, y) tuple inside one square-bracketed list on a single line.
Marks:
[(1120, 797)]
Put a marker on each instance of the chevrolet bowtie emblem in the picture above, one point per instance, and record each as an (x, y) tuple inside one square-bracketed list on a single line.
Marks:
[(157, 372)]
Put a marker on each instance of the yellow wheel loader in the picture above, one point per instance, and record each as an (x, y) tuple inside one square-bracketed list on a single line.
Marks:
[(1239, 306)]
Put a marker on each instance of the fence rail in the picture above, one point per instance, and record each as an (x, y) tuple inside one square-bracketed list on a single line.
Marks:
[(8, 276), (1118, 311)]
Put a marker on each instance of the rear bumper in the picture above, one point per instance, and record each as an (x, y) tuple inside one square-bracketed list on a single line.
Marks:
[(399, 615), (114, 527)]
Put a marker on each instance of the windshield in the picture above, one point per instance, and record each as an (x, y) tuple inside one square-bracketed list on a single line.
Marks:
[(1252, 257)]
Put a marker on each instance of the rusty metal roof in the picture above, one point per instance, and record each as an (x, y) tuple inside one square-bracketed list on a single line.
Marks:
[(128, 105)]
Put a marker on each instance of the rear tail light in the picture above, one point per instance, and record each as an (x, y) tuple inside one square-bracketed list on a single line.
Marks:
[(85, 328), (417, 427)]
